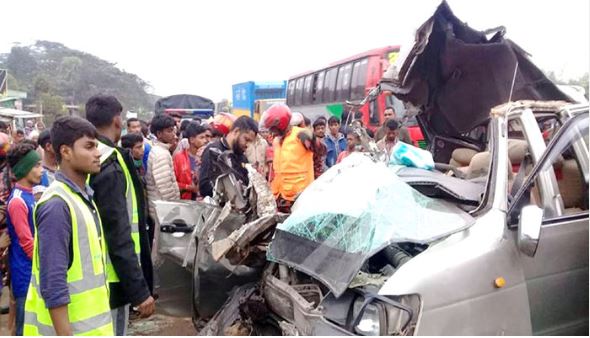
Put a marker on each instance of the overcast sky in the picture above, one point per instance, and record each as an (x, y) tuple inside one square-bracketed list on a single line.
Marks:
[(203, 47)]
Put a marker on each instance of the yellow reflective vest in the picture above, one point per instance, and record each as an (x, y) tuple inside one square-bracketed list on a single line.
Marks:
[(132, 208), (89, 311)]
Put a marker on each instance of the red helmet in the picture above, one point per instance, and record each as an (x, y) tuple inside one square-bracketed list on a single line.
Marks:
[(223, 122), (277, 116)]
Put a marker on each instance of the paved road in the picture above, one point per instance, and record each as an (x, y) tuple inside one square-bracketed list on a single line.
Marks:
[(173, 308), (162, 325), (173, 317), (159, 324)]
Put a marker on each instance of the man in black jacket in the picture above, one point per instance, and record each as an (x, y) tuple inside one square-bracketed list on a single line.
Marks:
[(119, 197), (242, 134)]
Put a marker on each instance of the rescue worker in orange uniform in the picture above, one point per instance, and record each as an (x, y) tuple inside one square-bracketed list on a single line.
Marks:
[(293, 156)]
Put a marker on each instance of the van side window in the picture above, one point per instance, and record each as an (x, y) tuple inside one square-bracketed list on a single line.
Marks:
[(565, 157), (549, 126), (566, 166), (571, 180)]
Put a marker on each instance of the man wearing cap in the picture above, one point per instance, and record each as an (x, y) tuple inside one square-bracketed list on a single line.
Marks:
[(25, 164)]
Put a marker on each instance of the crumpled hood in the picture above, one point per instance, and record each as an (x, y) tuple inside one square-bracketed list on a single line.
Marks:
[(353, 211), (456, 74)]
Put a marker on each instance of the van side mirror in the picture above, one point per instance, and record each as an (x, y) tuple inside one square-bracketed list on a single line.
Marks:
[(529, 229)]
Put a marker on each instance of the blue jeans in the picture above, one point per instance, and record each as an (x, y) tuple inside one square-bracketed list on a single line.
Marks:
[(120, 320), (20, 315)]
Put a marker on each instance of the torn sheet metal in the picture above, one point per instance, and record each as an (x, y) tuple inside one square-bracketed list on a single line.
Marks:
[(242, 236), (264, 218), (266, 203), (227, 321), (456, 74)]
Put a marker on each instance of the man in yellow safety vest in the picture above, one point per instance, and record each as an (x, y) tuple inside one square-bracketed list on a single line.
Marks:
[(120, 199), (68, 293)]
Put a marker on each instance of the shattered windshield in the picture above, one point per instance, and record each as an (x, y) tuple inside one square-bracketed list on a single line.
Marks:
[(351, 212)]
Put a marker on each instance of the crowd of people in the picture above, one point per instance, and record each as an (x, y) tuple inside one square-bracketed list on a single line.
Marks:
[(77, 200)]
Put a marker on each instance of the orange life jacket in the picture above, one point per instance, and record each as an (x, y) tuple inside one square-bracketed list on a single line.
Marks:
[(293, 166)]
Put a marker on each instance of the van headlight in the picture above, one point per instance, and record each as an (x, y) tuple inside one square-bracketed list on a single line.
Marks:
[(376, 315), (370, 317)]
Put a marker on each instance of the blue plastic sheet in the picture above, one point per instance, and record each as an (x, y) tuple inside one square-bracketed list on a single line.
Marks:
[(410, 156)]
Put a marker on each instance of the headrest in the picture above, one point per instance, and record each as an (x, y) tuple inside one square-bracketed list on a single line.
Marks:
[(479, 165), (516, 150)]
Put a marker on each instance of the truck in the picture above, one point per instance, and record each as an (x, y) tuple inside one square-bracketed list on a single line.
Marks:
[(185, 106), (252, 98)]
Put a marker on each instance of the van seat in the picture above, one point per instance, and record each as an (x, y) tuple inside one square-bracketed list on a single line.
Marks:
[(517, 149), (571, 186), (461, 157), (479, 165)]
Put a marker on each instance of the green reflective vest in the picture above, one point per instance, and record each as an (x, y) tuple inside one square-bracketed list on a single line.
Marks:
[(132, 208), (89, 311)]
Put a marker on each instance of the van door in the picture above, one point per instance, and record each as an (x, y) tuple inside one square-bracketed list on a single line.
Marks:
[(176, 246), (179, 223), (557, 275)]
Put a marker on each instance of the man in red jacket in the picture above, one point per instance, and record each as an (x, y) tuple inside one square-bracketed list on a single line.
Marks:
[(188, 161)]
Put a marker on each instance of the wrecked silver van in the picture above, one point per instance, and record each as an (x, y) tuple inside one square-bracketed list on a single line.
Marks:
[(500, 268), (412, 253), (494, 241)]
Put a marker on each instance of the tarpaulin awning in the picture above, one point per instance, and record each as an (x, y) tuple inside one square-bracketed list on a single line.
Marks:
[(186, 105), (15, 113)]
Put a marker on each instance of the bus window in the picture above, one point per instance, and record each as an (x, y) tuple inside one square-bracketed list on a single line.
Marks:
[(307, 88), (398, 106), (343, 86), (298, 91), (291, 96), (319, 87), (330, 85), (359, 79), (374, 113)]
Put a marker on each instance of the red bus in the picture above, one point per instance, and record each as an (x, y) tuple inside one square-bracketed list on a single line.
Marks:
[(325, 91)]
